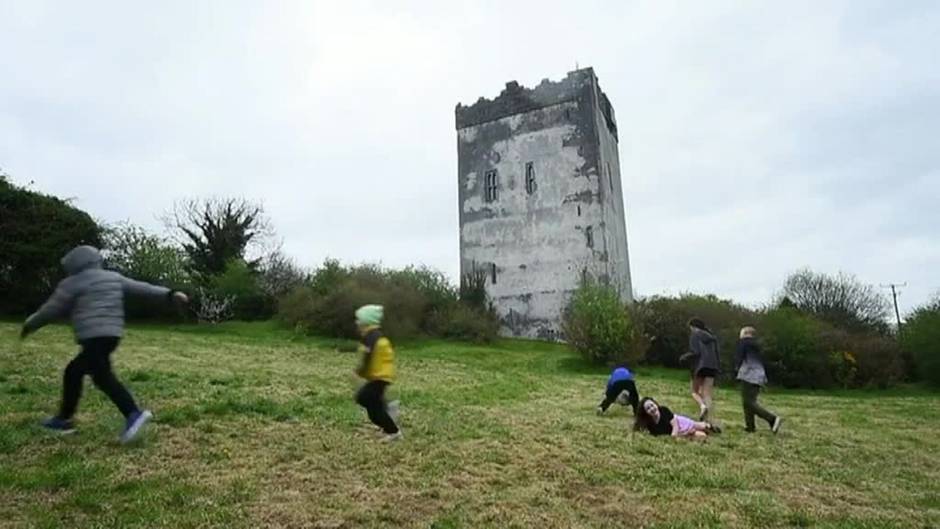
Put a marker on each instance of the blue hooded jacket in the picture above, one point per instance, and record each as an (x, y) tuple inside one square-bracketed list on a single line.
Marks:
[(621, 373)]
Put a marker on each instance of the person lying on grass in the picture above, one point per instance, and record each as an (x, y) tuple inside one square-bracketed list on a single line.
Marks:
[(93, 298), (659, 420), (620, 388)]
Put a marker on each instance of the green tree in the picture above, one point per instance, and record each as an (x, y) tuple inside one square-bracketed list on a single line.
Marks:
[(920, 338), (134, 252)]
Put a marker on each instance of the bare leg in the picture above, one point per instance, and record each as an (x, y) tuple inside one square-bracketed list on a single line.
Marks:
[(696, 393), (707, 390)]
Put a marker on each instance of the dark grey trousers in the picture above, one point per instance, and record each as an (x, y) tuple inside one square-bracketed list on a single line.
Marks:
[(749, 393)]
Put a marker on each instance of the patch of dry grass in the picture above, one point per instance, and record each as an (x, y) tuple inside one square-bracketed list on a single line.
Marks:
[(256, 428)]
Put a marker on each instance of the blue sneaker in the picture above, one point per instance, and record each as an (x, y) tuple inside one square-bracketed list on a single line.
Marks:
[(59, 426), (135, 422)]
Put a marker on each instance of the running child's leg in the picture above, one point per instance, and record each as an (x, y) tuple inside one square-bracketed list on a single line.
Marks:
[(99, 360), (696, 386), (72, 380), (613, 391), (706, 390), (633, 396), (371, 397)]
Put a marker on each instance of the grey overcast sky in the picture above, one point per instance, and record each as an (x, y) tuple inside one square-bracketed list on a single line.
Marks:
[(756, 137)]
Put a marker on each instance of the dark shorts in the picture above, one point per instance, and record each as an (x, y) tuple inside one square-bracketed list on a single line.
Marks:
[(707, 372)]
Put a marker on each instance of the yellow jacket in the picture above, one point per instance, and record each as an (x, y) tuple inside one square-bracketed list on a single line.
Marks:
[(378, 357)]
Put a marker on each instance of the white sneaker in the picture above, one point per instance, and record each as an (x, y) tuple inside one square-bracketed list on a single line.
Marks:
[(393, 408), (135, 423), (392, 437), (600, 411), (776, 425)]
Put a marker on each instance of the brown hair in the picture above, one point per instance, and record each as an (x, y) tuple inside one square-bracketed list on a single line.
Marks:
[(643, 421)]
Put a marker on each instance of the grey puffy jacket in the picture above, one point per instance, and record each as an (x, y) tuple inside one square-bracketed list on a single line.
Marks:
[(91, 296)]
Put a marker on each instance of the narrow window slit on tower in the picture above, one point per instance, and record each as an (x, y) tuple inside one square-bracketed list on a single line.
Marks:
[(491, 186), (493, 272), (589, 232), (530, 177)]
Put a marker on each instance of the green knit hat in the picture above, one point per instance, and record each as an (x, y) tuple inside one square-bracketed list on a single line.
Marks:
[(370, 315)]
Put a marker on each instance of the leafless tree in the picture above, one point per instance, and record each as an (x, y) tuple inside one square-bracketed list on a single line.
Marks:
[(841, 300)]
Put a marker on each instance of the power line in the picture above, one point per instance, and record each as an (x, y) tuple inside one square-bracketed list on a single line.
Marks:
[(894, 294)]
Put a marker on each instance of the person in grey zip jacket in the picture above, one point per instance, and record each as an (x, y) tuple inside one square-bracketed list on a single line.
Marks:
[(749, 365), (93, 298), (703, 353)]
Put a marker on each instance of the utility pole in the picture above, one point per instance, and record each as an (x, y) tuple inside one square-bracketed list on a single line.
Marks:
[(894, 294)]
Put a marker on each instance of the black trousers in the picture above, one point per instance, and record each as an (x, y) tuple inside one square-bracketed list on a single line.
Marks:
[(616, 389), (371, 396), (94, 359), (749, 393)]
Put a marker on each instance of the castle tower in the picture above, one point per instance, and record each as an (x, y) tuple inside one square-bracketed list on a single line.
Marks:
[(541, 201)]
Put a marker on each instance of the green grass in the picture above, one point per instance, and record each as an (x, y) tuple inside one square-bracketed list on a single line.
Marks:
[(255, 427)]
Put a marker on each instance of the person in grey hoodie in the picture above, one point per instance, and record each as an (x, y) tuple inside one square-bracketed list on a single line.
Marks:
[(749, 365), (94, 300), (703, 353)]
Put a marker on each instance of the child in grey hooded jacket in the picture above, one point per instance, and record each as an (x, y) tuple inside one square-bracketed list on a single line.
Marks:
[(93, 298)]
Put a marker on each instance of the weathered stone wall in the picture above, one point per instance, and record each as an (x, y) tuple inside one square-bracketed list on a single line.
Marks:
[(538, 245), (611, 192)]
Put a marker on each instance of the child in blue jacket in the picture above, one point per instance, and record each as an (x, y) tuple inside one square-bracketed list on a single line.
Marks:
[(620, 381)]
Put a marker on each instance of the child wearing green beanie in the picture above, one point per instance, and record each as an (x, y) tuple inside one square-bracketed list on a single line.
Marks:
[(377, 368)]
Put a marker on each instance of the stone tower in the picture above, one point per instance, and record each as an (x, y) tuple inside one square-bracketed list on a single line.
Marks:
[(541, 201)]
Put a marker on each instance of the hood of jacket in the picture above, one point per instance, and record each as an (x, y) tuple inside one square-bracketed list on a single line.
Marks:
[(81, 258)]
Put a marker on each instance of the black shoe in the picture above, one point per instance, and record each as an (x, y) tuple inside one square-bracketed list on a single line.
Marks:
[(59, 426), (750, 430)]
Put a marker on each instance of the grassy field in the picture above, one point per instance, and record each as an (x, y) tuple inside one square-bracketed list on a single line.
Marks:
[(256, 428)]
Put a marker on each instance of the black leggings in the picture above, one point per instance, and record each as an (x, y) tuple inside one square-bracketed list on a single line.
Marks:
[(94, 359), (372, 397), (615, 389)]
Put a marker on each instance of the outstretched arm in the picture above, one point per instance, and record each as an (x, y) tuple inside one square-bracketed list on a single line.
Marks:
[(140, 288), (58, 305)]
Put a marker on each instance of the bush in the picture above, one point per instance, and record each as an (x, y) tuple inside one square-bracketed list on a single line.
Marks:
[(793, 352), (418, 301), (879, 361), (239, 284), (210, 307), (461, 321), (279, 275), (802, 351), (665, 321), (473, 289), (598, 326), (920, 338), (36, 231)]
